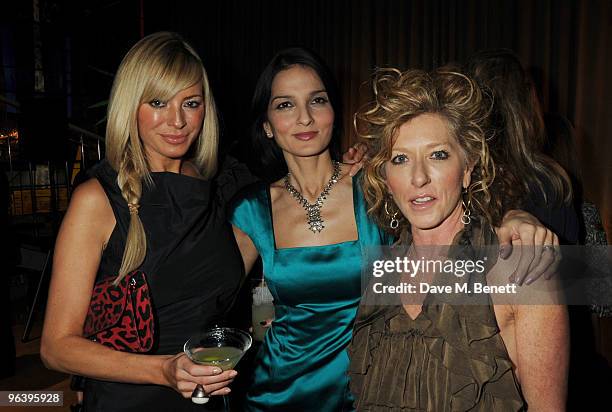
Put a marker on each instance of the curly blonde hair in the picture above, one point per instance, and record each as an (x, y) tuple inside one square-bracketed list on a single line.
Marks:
[(157, 67), (402, 96)]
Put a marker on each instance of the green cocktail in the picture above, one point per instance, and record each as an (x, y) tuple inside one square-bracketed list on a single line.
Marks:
[(221, 347), (225, 357)]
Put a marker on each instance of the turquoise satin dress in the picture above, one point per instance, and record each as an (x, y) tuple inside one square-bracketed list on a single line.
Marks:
[(302, 364)]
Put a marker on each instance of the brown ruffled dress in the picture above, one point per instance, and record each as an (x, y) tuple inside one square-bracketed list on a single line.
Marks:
[(450, 358)]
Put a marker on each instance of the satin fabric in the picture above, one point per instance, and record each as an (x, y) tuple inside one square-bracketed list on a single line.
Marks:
[(302, 364)]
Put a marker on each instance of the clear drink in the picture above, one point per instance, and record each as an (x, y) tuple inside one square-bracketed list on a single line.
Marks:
[(222, 347), (261, 312), (262, 309)]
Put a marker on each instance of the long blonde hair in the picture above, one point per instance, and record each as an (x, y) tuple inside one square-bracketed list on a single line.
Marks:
[(157, 67)]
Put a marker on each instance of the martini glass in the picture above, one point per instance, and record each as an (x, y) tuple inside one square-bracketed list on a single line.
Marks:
[(220, 347)]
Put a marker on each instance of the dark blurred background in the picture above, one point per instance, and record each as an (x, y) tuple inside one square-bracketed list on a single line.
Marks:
[(58, 59)]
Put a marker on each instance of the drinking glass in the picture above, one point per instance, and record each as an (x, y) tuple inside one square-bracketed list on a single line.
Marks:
[(221, 347), (262, 309)]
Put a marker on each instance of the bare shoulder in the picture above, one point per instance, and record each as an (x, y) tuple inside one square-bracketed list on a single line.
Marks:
[(90, 209), (277, 189), (89, 197), (498, 277), (89, 192)]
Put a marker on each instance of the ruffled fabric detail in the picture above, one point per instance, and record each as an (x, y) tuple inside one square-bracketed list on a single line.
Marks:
[(398, 364), (450, 358), (475, 355)]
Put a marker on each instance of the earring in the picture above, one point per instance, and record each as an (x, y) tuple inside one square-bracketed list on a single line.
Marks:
[(394, 224), (466, 216), (269, 134)]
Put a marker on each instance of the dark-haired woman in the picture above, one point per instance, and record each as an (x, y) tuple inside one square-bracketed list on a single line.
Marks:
[(310, 228)]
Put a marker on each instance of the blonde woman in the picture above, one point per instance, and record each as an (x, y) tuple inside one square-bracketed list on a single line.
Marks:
[(148, 207), (431, 174)]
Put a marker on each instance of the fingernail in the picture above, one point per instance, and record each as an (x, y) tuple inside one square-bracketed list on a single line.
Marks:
[(227, 390), (528, 281), (263, 323), (233, 373), (503, 251), (217, 371)]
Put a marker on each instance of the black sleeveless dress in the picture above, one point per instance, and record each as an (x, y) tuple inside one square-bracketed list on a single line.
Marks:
[(193, 267)]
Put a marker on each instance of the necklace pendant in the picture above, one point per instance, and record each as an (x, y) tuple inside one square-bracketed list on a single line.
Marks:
[(313, 211), (313, 218), (316, 227)]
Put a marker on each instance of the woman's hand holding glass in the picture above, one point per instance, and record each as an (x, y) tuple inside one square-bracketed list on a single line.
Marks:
[(183, 375)]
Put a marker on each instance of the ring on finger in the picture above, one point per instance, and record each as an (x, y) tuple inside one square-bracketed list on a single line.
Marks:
[(548, 248)]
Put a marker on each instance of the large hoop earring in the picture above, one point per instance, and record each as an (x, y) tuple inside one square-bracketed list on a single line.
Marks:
[(394, 224), (466, 218)]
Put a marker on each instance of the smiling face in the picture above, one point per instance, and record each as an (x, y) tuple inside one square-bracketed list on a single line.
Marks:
[(426, 174), (300, 115), (168, 128)]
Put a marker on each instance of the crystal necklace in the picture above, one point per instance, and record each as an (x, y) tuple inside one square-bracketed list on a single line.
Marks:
[(313, 210)]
